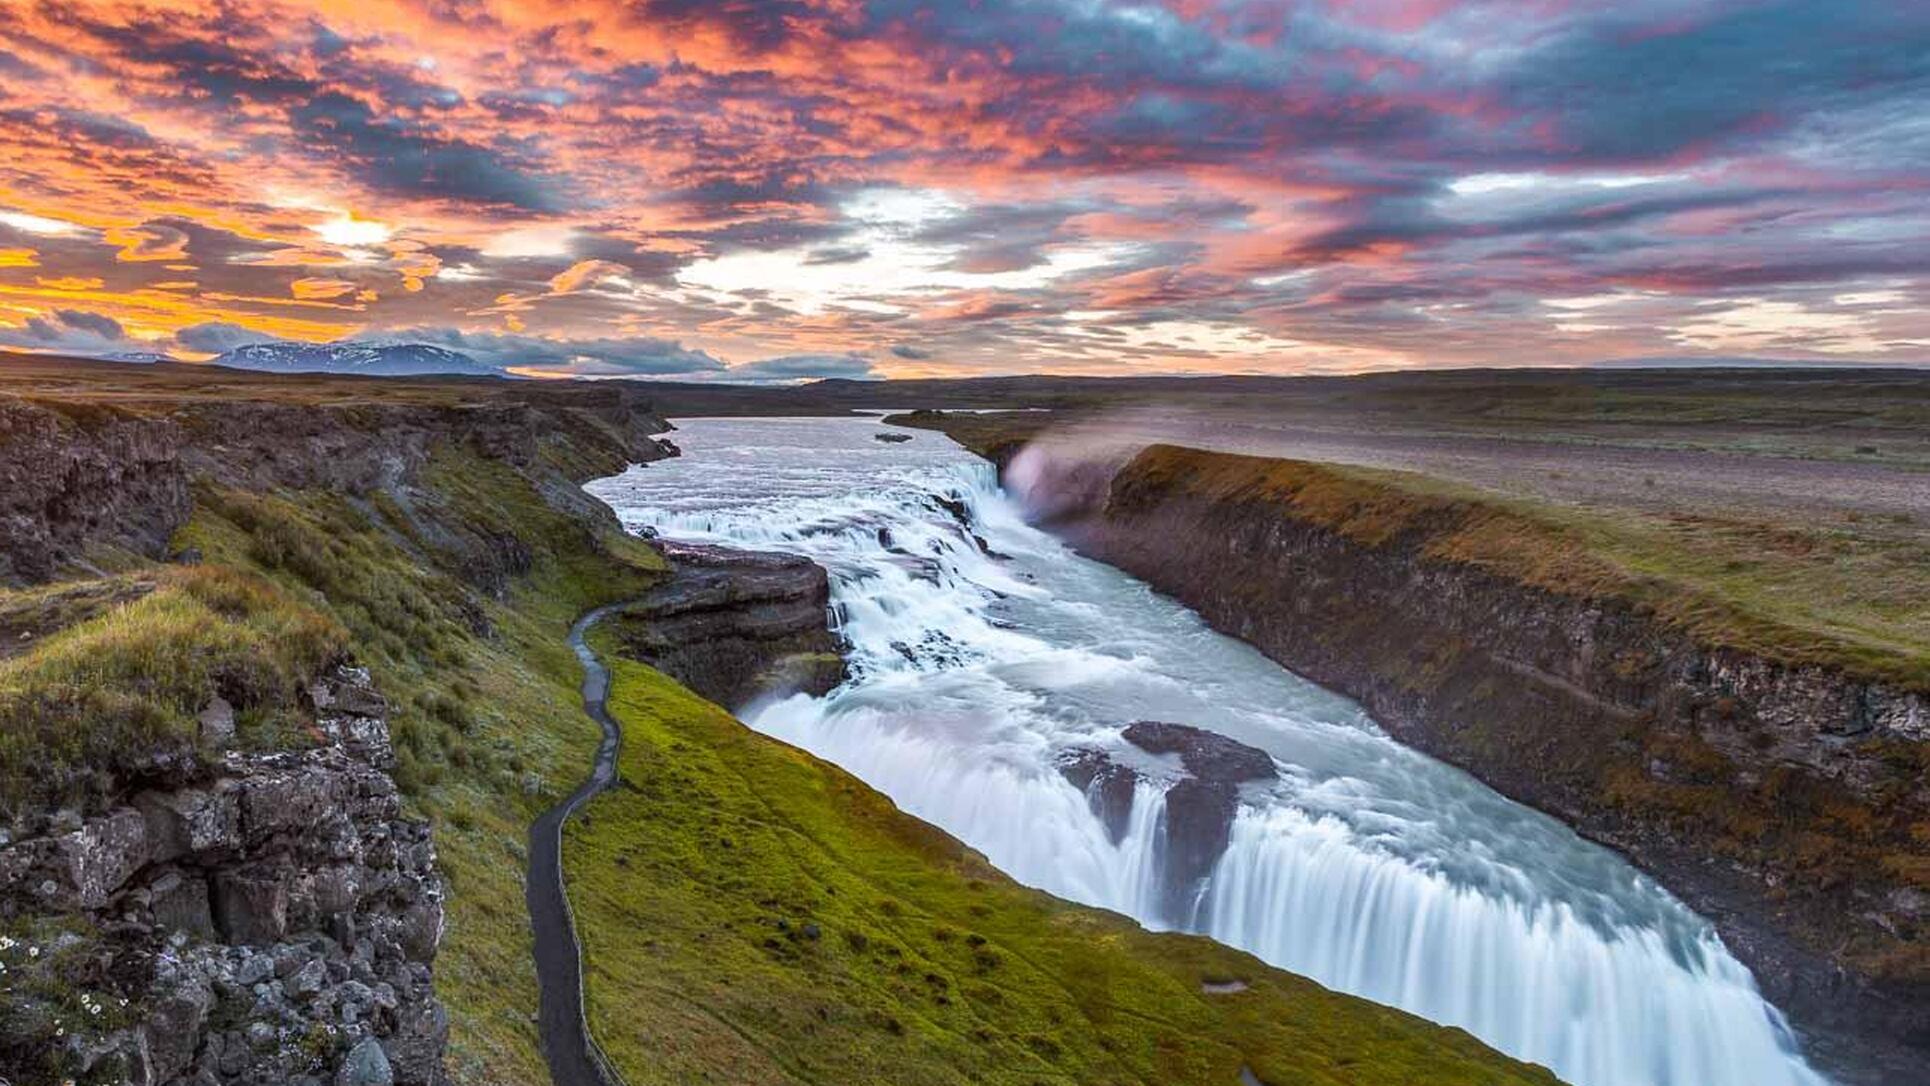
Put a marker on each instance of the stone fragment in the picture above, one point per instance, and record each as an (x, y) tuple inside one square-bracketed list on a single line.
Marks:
[(251, 907), (180, 903), (217, 723), (366, 1065)]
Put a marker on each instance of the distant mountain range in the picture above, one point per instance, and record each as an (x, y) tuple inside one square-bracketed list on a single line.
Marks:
[(371, 358)]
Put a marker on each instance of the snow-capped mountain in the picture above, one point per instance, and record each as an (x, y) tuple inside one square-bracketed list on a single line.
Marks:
[(372, 358)]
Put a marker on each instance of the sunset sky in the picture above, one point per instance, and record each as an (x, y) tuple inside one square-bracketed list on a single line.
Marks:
[(811, 187)]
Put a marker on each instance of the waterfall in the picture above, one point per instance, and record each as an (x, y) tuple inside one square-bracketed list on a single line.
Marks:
[(982, 650)]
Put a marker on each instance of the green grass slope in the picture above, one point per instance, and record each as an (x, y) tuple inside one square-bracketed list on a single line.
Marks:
[(751, 914)]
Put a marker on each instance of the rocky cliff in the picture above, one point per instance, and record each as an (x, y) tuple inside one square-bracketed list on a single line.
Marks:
[(734, 625), (1784, 799), (266, 917), (206, 871), (78, 476)]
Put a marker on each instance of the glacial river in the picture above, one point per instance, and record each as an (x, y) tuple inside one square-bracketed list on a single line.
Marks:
[(1367, 866)]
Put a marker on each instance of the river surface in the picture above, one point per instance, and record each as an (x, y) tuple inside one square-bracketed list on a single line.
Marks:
[(1369, 867)]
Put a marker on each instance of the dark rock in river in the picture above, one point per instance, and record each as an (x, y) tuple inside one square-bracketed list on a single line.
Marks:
[(1208, 756), (891, 439), (1200, 809), (734, 625), (1108, 787), (1198, 820)]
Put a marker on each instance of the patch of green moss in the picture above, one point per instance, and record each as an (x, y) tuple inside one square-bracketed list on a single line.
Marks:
[(751, 914), (91, 702)]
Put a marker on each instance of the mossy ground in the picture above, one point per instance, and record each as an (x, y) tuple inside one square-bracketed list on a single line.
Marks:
[(751, 914)]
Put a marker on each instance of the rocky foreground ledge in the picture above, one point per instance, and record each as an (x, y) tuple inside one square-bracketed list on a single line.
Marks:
[(733, 625), (207, 874), (250, 918)]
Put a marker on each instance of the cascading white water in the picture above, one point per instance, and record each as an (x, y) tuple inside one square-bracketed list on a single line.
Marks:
[(1367, 866)]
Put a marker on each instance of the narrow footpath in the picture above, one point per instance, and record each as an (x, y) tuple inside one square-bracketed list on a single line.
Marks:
[(573, 1056)]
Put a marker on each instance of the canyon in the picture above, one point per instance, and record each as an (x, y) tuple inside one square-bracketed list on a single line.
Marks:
[(1780, 793)]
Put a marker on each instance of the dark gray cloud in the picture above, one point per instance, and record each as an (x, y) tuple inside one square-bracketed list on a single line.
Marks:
[(609, 356), (846, 254), (68, 331), (1635, 85), (801, 367), (392, 156), (218, 337)]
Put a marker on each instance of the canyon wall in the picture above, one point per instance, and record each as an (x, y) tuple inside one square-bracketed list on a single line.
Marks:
[(78, 476), (737, 625)]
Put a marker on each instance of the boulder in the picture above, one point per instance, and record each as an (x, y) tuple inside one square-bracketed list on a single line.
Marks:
[(189, 821), (415, 1048), (217, 723), (180, 903), (1208, 756), (366, 1065), (251, 906), (1200, 809), (178, 1008), (90, 863)]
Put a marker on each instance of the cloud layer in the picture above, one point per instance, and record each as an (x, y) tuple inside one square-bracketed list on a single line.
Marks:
[(861, 188)]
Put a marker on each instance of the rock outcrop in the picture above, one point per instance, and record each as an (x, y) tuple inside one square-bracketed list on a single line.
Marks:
[(1785, 802), (1200, 805), (734, 625), (80, 476), (73, 476), (255, 918)]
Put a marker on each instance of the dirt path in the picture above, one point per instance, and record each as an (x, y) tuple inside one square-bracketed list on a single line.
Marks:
[(573, 1056)]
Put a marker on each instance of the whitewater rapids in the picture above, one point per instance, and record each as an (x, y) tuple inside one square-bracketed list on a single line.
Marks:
[(1369, 867)]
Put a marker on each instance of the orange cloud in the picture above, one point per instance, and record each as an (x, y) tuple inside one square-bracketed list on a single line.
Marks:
[(322, 289), (148, 243), (69, 282), (584, 274), (19, 258)]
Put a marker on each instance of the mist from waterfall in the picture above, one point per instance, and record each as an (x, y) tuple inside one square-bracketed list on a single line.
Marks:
[(982, 649)]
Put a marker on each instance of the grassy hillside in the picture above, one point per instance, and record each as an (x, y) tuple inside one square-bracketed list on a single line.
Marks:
[(751, 915)]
